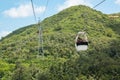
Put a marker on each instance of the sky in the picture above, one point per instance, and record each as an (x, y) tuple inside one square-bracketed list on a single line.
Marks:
[(15, 14)]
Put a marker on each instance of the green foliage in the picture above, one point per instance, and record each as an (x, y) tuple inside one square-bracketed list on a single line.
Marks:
[(5, 70), (19, 50)]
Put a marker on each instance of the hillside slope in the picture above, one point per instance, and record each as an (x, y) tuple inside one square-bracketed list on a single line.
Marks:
[(59, 32)]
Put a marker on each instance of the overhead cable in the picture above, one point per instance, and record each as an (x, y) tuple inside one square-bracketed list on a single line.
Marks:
[(99, 3), (33, 10)]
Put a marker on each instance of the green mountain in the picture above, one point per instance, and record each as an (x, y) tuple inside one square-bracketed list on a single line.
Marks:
[(19, 51)]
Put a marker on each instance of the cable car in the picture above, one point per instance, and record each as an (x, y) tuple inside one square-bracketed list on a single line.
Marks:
[(81, 41)]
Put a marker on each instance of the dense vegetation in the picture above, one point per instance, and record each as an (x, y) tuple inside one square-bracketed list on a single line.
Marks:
[(20, 60)]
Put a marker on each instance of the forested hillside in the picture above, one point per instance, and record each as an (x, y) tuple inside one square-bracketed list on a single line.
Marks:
[(20, 60)]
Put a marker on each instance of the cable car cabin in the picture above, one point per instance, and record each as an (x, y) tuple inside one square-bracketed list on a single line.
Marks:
[(81, 42)]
